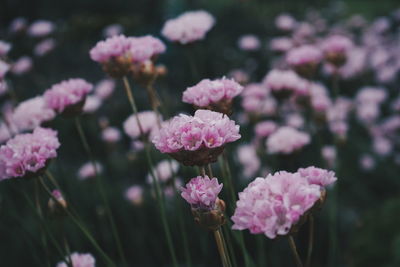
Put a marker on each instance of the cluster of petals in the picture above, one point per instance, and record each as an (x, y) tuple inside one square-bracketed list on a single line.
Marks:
[(4, 68), (247, 156), (208, 91), (89, 170), (31, 113), (66, 93), (79, 260), (135, 49), (41, 28), (164, 171), (202, 192), (256, 98), (4, 48), (189, 27), (134, 194), (265, 128), (205, 129), (318, 176), (249, 42), (319, 96), (22, 65), (273, 205), (336, 44), (306, 54), (147, 123), (28, 153), (285, 80), (287, 140)]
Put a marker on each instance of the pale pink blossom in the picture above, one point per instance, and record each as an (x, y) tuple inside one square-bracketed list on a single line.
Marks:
[(4, 68), (134, 194), (189, 27), (44, 47), (382, 146), (164, 171), (113, 30), (306, 54), (285, 22), (22, 65), (367, 162), (287, 140), (4, 48), (89, 170), (247, 156), (265, 128), (79, 260), (111, 135), (41, 28), (281, 44), (202, 192), (249, 42), (256, 98), (92, 104), (18, 25), (104, 88), (147, 123), (329, 154), (337, 44), (285, 81)]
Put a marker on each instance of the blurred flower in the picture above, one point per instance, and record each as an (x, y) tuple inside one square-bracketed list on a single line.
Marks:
[(367, 162), (265, 128), (256, 98), (247, 156), (239, 75), (22, 65), (286, 140), (283, 83), (104, 88), (57, 208), (164, 170), (198, 139), (44, 47), (31, 113), (68, 95), (92, 104), (148, 122), (382, 146), (4, 48), (336, 49), (4, 68), (304, 60), (27, 154), (329, 155), (294, 120), (281, 44), (41, 28), (88, 170), (113, 30), (188, 27), (111, 135), (79, 260), (135, 195), (275, 204), (285, 22), (318, 176), (249, 42), (17, 25)]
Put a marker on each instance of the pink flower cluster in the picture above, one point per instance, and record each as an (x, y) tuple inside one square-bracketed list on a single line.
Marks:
[(89, 170), (134, 49), (148, 123), (281, 81), (66, 93), (337, 44), (28, 153), (273, 205), (134, 194), (202, 192), (257, 99), (205, 129), (306, 54), (207, 92), (189, 27), (79, 260), (318, 176), (41, 28), (249, 42), (286, 140)]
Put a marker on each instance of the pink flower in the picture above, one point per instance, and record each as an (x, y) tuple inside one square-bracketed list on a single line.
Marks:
[(256, 98), (202, 192), (286, 140), (337, 44), (265, 128), (88, 170), (79, 260), (134, 194), (188, 27), (249, 42), (17, 25), (285, 81), (4, 68), (148, 123), (104, 88), (4, 48), (111, 135), (367, 162), (31, 113), (164, 171), (318, 176), (113, 30), (285, 22), (25, 154), (44, 47), (382, 146), (209, 92), (247, 156), (273, 205), (281, 44), (41, 28), (204, 129), (306, 54), (67, 93), (22, 65), (116, 46), (329, 155), (92, 104), (320, 100)]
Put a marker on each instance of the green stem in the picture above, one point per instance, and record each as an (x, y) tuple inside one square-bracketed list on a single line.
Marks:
[(294, 251), (310, 240), (223, 252)]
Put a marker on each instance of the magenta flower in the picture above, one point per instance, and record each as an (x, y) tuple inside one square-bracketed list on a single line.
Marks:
[(198, 139), (274, 205), (318, 176), (31, 113), (202, 192), (215, 95), (79, 260), (26, 154), (188, 27), (113, 47), (287, 140), (68, 95), (148, 123)]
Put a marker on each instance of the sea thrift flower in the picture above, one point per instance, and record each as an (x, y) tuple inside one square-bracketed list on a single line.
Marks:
[(285, 22), (41, 28), (286, 140), (367, 162), (294, 120), (148, 122), (79, 260), (318, 176), (92, 104), (189, 27), (164, 170), (304, 60), (112, 30), (27, 154), (329, 155), (31, 113), (111, 135), (135, 195), (336, 48), (104, 88), (198, 139), (58, 205), (17, 25), (265, 128), (202, 192), (256, 99), (249, 42), (3, 87), (68, 96), (44, 47), (284, 83), (281, 44), (4, 48), (319, 96), (4, 68), (247, 156), (215, 95), (275, 205), (88, 170), (22, 65)]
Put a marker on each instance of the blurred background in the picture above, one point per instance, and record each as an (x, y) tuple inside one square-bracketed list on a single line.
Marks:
[(366, 229)]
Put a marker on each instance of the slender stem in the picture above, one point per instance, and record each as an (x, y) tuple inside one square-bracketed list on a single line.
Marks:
[(219, 239), (294, 251), (210, 172), (101, 189), (310, 240), (80, 226), (66, 246), (156, 182), (203, 171)]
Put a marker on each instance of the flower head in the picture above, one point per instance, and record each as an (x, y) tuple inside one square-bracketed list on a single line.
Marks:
[(249, 42), (79, 260), (202, 192), (275, 204), (189, 27), (318, 176), (147, 123), (134, 194), (41, 28), (283, 83), (26, 154), (286, 140), (89, 170)]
